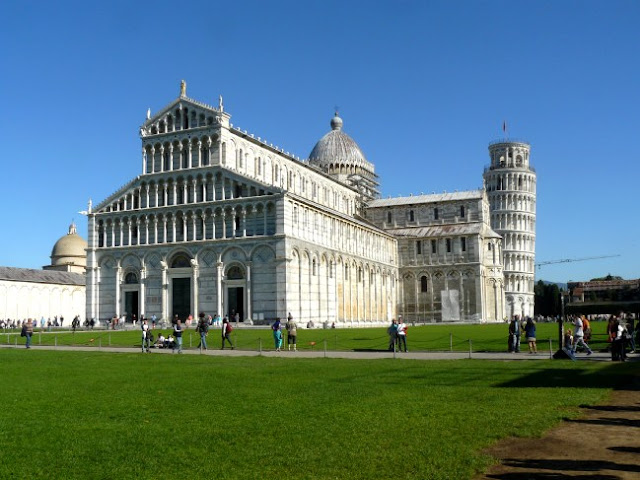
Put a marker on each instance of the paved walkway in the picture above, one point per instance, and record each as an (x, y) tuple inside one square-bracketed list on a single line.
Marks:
[(319, 353)]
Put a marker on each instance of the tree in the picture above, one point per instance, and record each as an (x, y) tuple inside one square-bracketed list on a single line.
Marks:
[(547, 299)]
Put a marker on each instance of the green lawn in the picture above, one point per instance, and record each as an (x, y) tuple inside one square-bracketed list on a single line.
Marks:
[(99, 415), (486, 337)]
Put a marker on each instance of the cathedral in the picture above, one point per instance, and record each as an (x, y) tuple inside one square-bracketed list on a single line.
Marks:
[(223, 222)]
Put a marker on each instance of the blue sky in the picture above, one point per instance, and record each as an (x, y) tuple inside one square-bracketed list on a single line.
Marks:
[(422, 86)]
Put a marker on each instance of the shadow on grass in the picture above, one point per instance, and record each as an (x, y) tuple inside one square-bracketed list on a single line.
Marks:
[(550, 476), (571, 465), (612, 408), (612, 422), (611, 377)]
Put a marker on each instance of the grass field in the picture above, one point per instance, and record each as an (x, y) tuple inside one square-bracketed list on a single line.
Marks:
[(98, 415), (486, 337)]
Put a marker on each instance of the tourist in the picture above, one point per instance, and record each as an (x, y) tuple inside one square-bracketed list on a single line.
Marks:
[(145, 336), (153, 321), (586, 327), (277, 334), (226, 333), (392, 331), (177, 331), (514, 334), (170, 342), (160, 343), (203, 329), (568, 341), (530, 334), (578, 336), (619, 348), (292, 332), (402, 334), (28, 332)]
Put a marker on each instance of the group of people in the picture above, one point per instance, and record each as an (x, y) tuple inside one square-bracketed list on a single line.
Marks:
[(580, 335), (292, 333), (174, 339), (397, 332), (516, 328), (7, 323), (622, 336)]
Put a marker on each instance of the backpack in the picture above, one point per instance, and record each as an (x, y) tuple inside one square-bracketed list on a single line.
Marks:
[(23, 332), (229, 328)]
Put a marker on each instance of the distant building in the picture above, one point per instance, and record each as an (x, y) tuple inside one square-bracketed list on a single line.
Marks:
[(56, 291)]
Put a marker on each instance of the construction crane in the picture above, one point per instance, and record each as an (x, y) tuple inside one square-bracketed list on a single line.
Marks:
[(569, 260)]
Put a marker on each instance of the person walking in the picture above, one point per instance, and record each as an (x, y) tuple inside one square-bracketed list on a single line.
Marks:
[(28, 333), (226, 332), (530, 334), (203, 329), (277, 334), (177, 333), (292, 333), (402, 334), (145, 336), (578, 336)]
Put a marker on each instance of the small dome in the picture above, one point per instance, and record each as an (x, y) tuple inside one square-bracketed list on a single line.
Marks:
[(338, 148), (70, 249)]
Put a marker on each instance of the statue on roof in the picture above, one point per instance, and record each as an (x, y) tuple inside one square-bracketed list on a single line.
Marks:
[(183, 88), (220, 104)]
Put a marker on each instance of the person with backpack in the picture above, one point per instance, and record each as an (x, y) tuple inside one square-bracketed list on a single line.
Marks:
[(203, 329), (226, 332)]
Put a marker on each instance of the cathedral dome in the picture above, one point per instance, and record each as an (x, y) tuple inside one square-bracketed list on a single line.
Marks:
[(70, 249), (337, 149)]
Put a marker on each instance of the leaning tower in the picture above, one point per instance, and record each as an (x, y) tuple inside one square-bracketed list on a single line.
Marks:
[(510, 182)]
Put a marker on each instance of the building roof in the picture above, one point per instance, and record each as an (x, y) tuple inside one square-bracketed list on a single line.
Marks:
[(41, 276), (70, 248), (432, 198), (336, 147), (444, 230)]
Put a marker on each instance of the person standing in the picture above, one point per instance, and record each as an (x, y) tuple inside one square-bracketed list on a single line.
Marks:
[(402, 334), (202, 328), (578, 336), (392, 331), (530, 334), (514, 334), (177, 332), (292, 333), (277, 334), (28, 333), (145, 336), (226, 333)]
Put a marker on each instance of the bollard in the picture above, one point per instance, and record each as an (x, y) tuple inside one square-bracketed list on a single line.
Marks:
[(40, 337), (325, 348), (470, 347), (451, 342), (189, 339), (260, 346)]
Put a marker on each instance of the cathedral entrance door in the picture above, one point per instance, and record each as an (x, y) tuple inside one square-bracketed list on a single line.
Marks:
[(235, 302), (181, 298), (131, 305)]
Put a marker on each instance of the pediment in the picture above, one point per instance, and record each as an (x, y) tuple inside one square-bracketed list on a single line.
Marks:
[(182, 114)]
